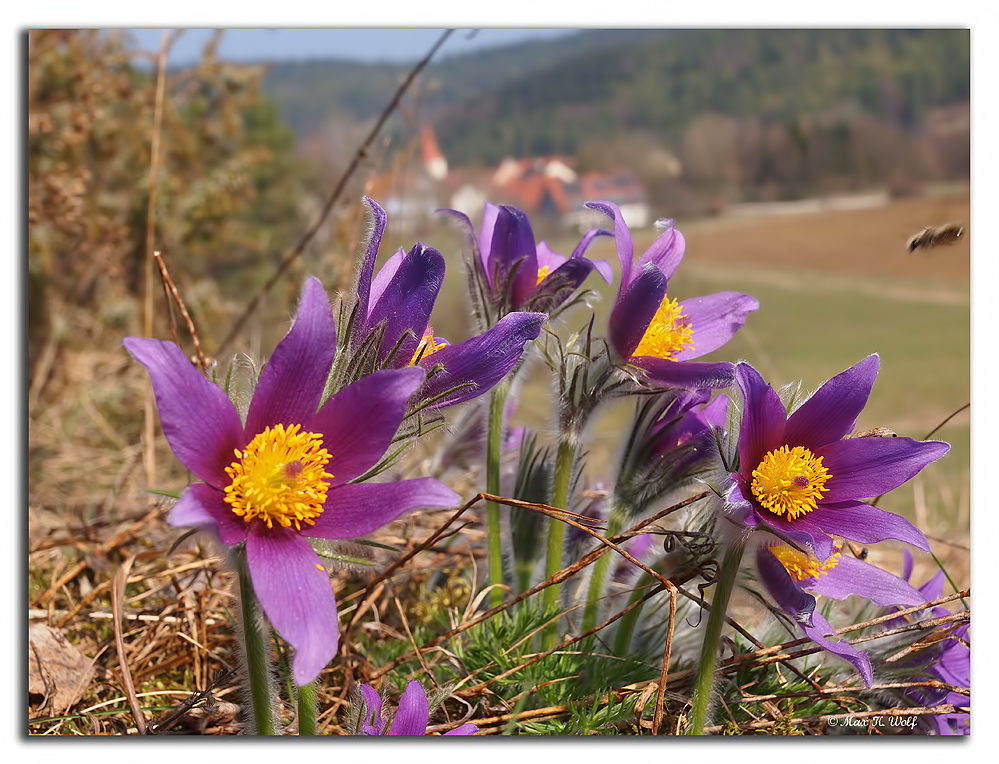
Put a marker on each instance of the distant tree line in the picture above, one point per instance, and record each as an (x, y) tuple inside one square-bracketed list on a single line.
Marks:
[(660, 83)]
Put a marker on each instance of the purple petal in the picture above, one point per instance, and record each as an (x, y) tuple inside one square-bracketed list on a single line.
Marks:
[(763, 418), (831, 413), (714, 320), (200, 423), (489, 215), (407, 302), (688, 375), (359, 422), (413, 713), (513, 254), (202, 505), (378, 220), (190, 509), (296, 595), (559, 285), (482, 361), (291, 384), (715, 413), (604, 269), (622, 239), (371, 719), (383, 278), (932, 589), (465, 729), (907, 563), (852, 576), (863, 523), (641, 545), (666, 251), (678, 422), (634, 310), (468, 229), (782, 587), (864, 467), (954, 665), (806, 532), (602, 266), (548, 258), (359, 508), (740, 509), (841, 648)]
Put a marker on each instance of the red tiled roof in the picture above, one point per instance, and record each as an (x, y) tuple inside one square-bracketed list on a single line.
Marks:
[(527, 186), (429, 148)]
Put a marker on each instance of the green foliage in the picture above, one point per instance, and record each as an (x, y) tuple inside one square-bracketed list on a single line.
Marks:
[(534, 475), (663, 81), (581, 677), (596, 716), (796, 697), (228, 183)]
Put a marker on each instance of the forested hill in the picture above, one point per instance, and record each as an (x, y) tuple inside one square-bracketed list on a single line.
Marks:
[(308, 92), (555, 96)]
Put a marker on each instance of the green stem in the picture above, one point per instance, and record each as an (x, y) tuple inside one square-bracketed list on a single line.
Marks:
[(255, 646), (600, 569), (712, 634), (556, 534), (628, 622), (307, 697), (494, 455)]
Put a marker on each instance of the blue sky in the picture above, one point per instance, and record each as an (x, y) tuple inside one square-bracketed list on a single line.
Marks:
[(367, 45)]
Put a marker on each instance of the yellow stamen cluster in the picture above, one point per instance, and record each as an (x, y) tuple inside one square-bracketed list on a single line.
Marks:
[(790, 481), (543, 272), (280, 477), (429, 345), (669, 332), (801, 565)]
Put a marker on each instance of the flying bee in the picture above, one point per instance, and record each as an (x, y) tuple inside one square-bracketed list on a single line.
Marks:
[(935, 236)]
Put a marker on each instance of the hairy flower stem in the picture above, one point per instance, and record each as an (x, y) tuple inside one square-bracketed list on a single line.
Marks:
[(712, 634), (556, 533), (494, 455), (307, 709), (255, 647), (600, 569), (626, 629)]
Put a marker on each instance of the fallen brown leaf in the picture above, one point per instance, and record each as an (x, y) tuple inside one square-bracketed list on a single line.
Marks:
[(57, 671)]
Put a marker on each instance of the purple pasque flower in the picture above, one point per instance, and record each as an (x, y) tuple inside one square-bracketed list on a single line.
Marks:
[(285, 474), (411, 717), (517, 274), (391, 329), (672, 440), (683, 422), (793, 577), (951, 661), (802, 479), (654, 332)]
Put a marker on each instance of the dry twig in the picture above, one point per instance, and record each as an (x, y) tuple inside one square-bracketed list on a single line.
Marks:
[(117, 598)]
